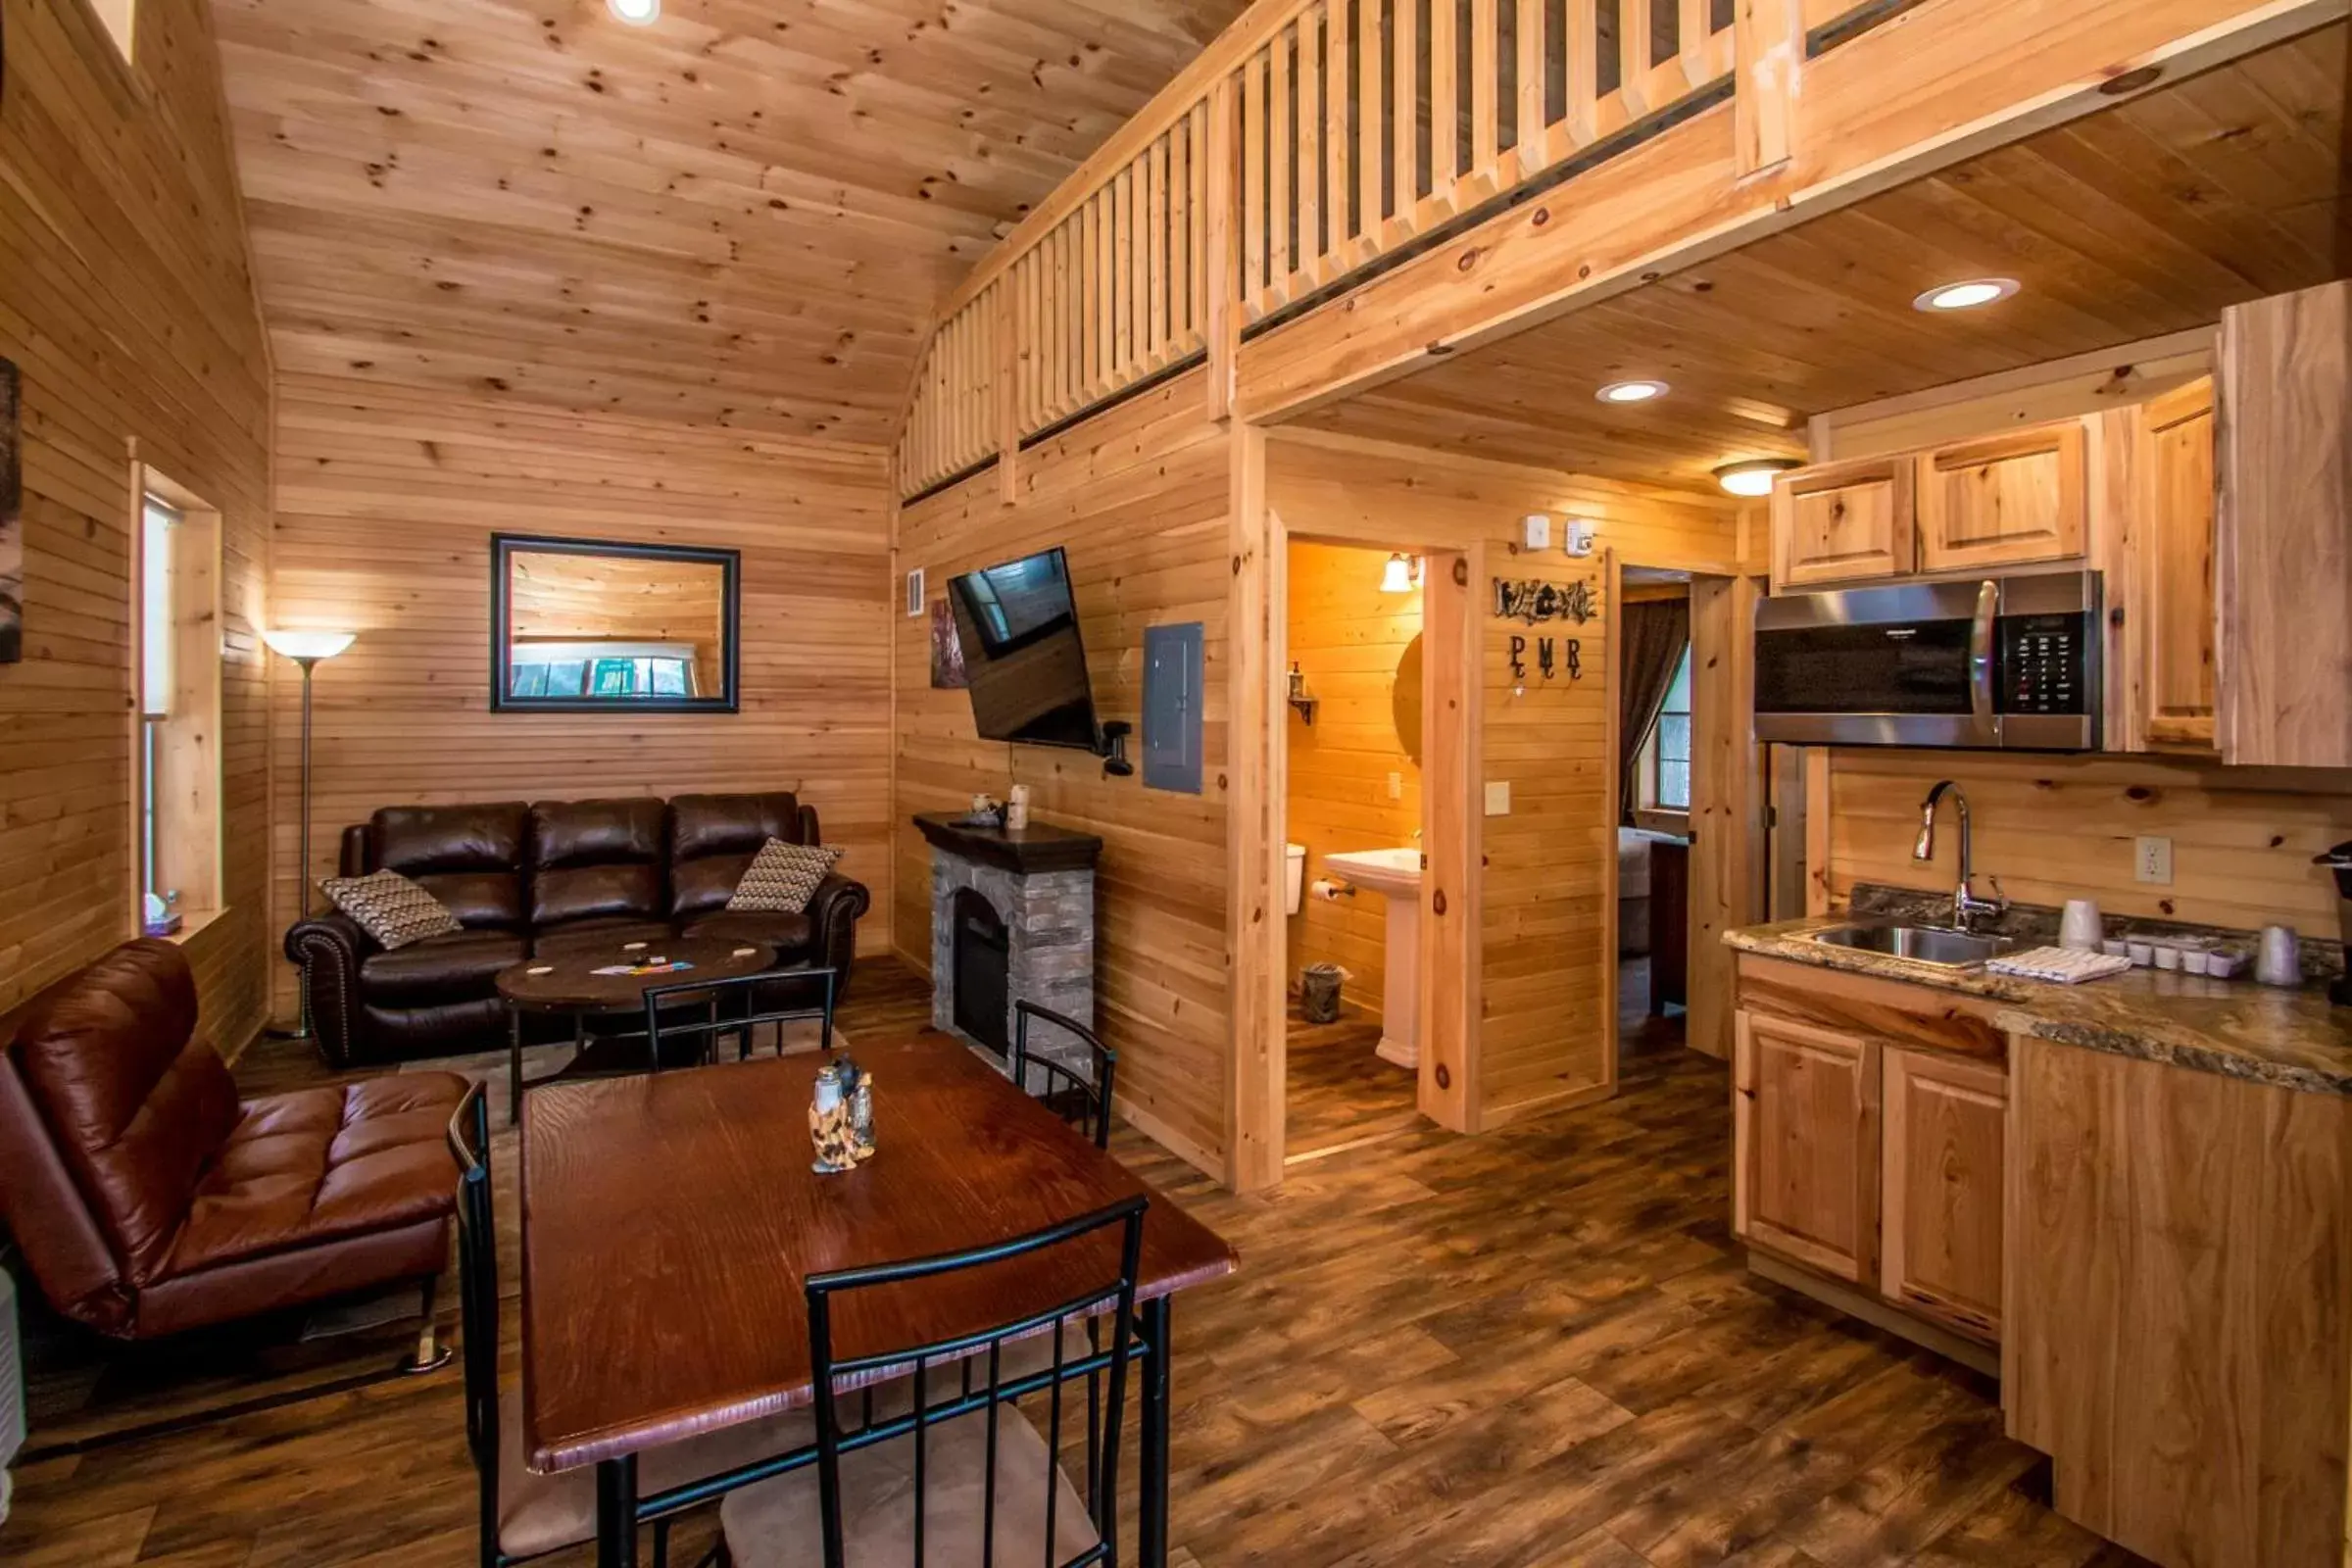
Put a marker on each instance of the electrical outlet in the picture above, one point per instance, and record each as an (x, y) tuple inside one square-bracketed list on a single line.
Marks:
[(2152, 860), (1396, 786), (1498, 798)]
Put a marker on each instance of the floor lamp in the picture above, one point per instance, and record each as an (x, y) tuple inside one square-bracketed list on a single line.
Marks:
[(306, 648)]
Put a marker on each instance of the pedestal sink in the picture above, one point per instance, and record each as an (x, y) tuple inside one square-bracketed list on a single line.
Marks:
[(1396, 875)]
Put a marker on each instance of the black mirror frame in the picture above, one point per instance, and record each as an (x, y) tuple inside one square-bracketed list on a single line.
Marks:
[(505, 546)]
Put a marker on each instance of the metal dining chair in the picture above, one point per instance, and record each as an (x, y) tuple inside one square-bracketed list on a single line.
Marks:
[(524, 1514), (721, 1016), (966, 1475), (1083, 1103)]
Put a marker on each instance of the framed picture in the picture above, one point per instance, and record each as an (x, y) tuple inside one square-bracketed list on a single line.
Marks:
[(947, 674), (12, 523)]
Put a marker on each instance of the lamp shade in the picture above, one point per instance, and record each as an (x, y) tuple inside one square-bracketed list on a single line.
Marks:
[(299, 645), (1398, 576)]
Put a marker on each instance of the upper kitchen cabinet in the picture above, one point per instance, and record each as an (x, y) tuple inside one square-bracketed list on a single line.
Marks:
[(1841, 523), (2171, 627), (2283, 542), (2013, 500)]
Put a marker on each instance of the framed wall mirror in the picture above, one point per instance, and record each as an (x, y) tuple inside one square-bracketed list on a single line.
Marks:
[(588, 625)]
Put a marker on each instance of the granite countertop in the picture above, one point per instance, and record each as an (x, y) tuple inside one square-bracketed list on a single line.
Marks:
[(2294, 1039)]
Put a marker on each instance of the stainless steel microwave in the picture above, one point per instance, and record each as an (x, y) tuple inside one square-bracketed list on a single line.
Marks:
[(2006, 663)]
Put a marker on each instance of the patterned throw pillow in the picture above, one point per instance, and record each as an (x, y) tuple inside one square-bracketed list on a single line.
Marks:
[(783, 878), (390, 908)]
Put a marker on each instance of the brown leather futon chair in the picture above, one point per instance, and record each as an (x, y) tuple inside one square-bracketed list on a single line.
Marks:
[(148, 1199)]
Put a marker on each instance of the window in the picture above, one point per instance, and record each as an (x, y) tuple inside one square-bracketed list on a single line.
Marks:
[(1666, 762), (177, 758)]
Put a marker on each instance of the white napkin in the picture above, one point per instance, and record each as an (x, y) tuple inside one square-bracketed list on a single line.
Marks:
[(2067, 966)]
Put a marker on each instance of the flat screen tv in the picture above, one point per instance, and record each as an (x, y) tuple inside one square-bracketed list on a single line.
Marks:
[(1019, 630)]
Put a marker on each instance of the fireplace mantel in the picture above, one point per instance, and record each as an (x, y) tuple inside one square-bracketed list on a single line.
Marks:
[(1031, 852)]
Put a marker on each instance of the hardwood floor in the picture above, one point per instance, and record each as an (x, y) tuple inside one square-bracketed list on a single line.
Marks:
[(1534, 1349), (1338, 1094)]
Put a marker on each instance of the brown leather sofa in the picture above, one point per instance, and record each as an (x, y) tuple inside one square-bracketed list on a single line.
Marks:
[(147, 1200), (528, 880)]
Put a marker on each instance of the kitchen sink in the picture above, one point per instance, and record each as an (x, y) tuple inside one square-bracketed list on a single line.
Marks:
[(1920, 944)]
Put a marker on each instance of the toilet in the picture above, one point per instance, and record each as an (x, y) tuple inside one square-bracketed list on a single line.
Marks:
[(1295, 870)]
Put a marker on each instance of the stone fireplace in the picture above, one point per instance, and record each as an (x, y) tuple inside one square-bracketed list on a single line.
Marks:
[(1013, 919)]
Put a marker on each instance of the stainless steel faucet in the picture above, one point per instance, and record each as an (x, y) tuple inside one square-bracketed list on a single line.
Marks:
[(1966, 906)]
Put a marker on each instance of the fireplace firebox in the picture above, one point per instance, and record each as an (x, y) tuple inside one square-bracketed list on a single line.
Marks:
[(983, 971)]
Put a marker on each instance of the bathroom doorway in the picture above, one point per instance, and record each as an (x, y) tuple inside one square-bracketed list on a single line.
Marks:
[(1354, 806)]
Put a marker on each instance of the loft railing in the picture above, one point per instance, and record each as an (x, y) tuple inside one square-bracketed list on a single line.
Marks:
[(1314, 140)]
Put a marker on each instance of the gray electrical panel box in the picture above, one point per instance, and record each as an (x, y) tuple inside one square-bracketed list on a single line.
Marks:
[(1172, 707)]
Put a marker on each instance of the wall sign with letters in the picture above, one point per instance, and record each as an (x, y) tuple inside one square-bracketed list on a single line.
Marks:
[(1535, 601)]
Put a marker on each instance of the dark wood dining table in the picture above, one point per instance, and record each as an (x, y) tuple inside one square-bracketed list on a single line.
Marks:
[(670, 1221)]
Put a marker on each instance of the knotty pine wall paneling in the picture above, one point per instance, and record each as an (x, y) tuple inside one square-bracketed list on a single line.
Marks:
[(1138, 496), (126, 302), (1348, 639), (1546, 974), (387, 499)]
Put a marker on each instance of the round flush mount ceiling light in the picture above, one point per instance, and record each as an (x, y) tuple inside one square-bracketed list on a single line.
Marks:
[(1751, 477), (636, 12), (1632, 391), (1966, 296)]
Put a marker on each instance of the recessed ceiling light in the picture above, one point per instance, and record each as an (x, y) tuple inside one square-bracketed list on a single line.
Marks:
[(1966, 296), (1632, 391), (636, 12), (1751, 477)]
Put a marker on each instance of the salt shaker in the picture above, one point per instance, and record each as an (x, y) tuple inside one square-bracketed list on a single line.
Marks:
[(2278, 962)]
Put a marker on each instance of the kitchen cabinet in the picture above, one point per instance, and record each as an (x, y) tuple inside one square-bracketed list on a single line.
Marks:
[(2172, 616), (2181, 1254), (1844, 523), (2284, 570), (1945, 1129), (1807, 1137), (2013, 500)]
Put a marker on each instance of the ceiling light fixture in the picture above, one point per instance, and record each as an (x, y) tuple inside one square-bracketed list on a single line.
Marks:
[(1751, 477), (636, 12), (1968, 295), (1632, 391)]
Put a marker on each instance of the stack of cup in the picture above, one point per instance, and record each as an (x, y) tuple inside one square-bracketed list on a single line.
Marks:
[(2079, 927)]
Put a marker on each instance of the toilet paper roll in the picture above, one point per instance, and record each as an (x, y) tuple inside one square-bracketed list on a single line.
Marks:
[(1325, 888)]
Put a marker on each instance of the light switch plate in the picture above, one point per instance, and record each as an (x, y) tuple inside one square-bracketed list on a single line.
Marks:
[(1498, 798), (2152, 860), (1537, 531)]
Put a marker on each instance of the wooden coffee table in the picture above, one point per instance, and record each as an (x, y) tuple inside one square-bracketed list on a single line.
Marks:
[(566, 984)]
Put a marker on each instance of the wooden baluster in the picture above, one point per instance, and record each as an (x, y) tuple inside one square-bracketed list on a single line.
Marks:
[(1011, 343), (1339, 145), (1445, 103), (1583, 75), (1058, 274), (1280, 141), (1371, 132), (1633, 49), (1253, 181), (1106, 290), (1694, 38), (1195, 283), (1155, 233), (1485, 115), (1405, 62), (1527, 35), (1310, 153), (1123, 257), (1220, 304), (1182, 206)]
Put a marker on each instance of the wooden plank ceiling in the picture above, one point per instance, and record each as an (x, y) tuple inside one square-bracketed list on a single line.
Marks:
[(2144, 220), (739, 216)]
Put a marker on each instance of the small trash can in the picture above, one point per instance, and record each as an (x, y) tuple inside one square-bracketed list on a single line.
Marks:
[(1319, 992)]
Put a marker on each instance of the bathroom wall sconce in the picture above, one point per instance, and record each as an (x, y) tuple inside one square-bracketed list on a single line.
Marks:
[(1304, 703), (1401, 575)]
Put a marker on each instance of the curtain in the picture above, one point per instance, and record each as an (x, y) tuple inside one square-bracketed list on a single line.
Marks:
[(1650, 641)]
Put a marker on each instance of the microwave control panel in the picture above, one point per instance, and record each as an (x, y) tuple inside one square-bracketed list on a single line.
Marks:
[(2045, 665)]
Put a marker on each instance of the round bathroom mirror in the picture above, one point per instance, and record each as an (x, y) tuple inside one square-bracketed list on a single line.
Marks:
[(1404, 700)]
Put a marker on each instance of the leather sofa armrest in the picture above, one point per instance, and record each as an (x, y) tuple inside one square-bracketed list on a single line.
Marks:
[(834, 909), (810, 833), (329, 948)]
